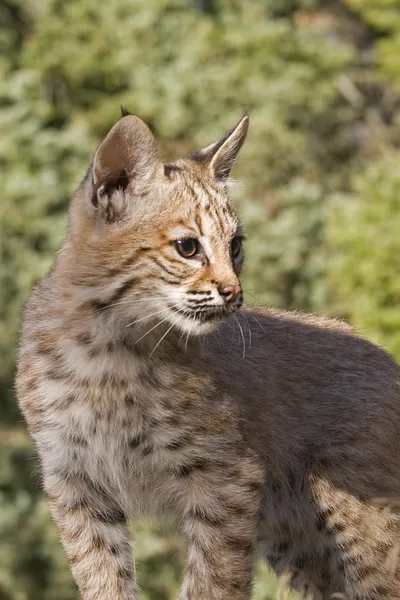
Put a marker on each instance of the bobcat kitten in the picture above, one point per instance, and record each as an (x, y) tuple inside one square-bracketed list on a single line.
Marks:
[(141, 397)]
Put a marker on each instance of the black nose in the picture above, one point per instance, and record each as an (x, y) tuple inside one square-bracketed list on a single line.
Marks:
[(231, 293)]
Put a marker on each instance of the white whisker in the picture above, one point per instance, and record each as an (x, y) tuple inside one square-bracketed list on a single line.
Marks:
[(146, 317), (129, 302), (242, 334), (252, 295), (150, 330), (190, 331), (249, 329), (136, 301), (257, 321), (159, 341)]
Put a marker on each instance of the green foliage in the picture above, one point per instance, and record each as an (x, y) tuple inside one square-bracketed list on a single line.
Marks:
[(319, 197), (364, 232)]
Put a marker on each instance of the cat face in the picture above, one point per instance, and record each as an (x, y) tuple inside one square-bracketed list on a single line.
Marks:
[(195, 269), (161, 242)]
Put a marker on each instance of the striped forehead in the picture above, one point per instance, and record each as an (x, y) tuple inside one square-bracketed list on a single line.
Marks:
[(211, 212)]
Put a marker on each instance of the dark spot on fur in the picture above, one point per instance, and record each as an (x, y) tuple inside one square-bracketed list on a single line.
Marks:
[(136, 440), (172, 420), (380, 591), (124, 573), (123, 288), (336, 528), (254, 486), (93, 352), (110, 516), (274, 560), (365, 571), (184, 470), (148, 377), (68, 400), (147, 450), (78, 440), (347, 545), (352, 561), (237, 509), (206, 517), (84, 338), (97, 542), (321, 521), (98, 305), (300, 561), (240, 544), (56, 374), (44, 349), (168, 169), (130, 400), (179, 442), (281, 548)]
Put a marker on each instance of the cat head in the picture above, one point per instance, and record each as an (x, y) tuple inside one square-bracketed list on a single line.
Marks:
[(154, 241)]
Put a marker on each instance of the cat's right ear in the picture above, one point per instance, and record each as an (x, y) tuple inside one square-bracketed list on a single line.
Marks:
[(126, 163)]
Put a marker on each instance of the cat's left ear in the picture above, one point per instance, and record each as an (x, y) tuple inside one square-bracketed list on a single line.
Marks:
[(222, 155)]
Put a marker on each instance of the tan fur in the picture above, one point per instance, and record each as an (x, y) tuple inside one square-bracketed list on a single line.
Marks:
[(275, 433)]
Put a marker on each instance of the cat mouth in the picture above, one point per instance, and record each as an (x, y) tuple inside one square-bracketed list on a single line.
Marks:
[(205, 315), (196, 321)]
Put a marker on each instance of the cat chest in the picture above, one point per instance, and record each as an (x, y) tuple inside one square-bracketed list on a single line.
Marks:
[(125, 434)]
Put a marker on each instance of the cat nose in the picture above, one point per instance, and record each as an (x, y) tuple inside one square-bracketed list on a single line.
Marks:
[(231, 293)]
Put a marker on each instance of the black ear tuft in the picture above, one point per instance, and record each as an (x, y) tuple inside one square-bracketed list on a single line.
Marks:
[(124, 112)]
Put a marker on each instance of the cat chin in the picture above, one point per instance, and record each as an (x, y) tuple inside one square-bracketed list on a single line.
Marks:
[(194, 327), (202, 328)]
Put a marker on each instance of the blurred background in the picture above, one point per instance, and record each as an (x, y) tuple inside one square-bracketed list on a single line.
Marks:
[(320, 194)]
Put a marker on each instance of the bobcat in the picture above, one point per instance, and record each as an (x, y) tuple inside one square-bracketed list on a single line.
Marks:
[(137, 391)]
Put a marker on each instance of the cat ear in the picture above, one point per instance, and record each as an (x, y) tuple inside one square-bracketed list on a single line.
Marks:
[(222, 155), (128, 156)]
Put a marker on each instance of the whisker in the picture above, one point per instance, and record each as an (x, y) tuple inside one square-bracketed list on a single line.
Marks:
[(146, 317), (136, 301), (150, 330), (159, 341), (129, 302), (257, 321), (252, 295), (153, 314), (242, 334), (189, 332), (249, 328)]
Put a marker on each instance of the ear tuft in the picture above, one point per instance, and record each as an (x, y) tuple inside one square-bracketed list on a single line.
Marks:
[(222, 155), (124, 112)]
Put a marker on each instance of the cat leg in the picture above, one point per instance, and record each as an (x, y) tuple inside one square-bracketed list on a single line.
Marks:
[(95, 535), (220, 526), (364, 537)]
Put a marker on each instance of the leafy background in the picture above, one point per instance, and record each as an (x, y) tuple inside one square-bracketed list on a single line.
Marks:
[(320, 196)]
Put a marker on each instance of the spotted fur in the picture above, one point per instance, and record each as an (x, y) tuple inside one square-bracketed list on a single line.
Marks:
[(147, 392)]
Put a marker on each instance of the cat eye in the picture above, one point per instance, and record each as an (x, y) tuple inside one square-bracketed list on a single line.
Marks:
[(188, 247), (236, 246)]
